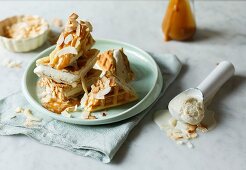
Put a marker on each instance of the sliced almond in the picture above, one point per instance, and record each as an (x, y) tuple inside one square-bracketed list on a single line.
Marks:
[(68, 39), (60, 40), (67, 50)]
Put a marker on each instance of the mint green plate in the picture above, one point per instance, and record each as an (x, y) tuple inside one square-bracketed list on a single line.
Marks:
[(148, 85)]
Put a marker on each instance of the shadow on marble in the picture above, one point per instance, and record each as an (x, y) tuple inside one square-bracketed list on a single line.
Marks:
[(205, 34), (147, 120), (228, 90)]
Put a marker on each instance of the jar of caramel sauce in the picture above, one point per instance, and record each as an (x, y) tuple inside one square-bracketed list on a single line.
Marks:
[(179, 21)]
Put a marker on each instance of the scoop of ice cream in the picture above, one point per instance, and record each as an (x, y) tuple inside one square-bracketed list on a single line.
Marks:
[(188, 107), (192, 111)]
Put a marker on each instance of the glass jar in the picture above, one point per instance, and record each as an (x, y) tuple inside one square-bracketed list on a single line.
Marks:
[(179, 20)]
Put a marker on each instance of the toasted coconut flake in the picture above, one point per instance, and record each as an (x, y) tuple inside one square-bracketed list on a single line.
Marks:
[(92, 117), (102, 74), (83, 100), (19, 110), (67, 50), (71, 109), (46, 99), (202, 129), (29, 116), (180, 142), (77, 43), (78, 31), (85, 115), (102, 93), (193, 135), (73, 16), (68, 39), (74, 84), (88, 24), (189, 145), (60, 40), (98, 96)]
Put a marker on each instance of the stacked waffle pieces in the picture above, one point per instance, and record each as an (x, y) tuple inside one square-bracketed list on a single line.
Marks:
[(68, 70), (112, 88)]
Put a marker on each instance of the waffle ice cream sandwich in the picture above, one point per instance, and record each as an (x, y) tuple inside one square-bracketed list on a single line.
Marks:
[(62, 93), (68, 71), (73, 42), (117, 63), (107, 92), (70, 75)]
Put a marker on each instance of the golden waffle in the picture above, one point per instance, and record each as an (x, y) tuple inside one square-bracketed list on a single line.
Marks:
[(73, 42), (70, 75), (117, 63), (119, 94), (65, 91), (106, 61), (57, 96)]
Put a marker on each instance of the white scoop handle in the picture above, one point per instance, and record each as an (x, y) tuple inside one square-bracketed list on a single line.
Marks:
[(211, 84)]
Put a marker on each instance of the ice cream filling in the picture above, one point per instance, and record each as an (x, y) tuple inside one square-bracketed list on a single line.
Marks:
[(192, 111)]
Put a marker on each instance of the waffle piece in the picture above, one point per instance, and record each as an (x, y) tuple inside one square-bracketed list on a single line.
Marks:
[(108, 91), (73, 42), (54, 94), (70, 75), (117, 63), (64, 91)]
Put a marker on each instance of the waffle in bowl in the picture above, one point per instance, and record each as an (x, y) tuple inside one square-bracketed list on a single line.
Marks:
[(107, 92), (63, 95), (116, 62), (74, 41)]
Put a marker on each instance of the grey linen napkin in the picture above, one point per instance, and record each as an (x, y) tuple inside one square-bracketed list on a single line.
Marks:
[(99, 142)]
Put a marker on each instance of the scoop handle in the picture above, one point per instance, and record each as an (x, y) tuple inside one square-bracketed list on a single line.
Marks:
[(211, 84)]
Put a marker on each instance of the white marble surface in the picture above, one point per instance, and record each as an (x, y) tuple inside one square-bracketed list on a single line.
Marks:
[(221, 36)]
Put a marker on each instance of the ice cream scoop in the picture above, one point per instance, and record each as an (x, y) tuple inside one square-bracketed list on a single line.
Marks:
[(189, 105)]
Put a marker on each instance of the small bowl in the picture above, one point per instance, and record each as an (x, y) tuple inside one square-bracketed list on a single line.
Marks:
[(23, 44)]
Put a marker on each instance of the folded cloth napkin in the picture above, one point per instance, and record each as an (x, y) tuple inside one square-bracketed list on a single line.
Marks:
[(99, 142)]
